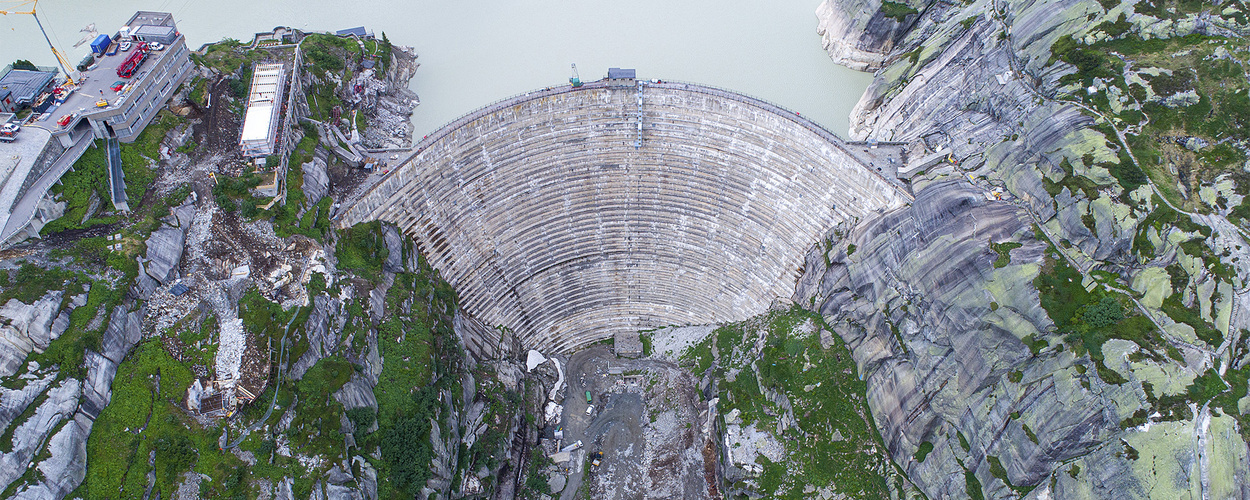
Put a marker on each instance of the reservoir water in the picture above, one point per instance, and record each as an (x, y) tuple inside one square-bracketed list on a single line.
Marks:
[(474, 52)]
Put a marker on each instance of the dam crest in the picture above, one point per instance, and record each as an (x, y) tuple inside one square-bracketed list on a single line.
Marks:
[(569, 214)]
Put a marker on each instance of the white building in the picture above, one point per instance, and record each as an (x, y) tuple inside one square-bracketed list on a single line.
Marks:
[(264, 110)]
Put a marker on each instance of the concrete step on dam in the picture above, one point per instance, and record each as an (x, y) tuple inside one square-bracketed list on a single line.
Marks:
[(567, 215)]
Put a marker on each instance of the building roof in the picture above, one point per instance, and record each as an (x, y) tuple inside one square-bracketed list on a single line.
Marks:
[(266, 83), (616, 73), (154, 18), (256, 123), (26, 84), (357, 31), (152, 30)]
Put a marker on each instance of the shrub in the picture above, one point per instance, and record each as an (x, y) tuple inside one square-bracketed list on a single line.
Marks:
[(896, 10), (362, 418), (924, 450)]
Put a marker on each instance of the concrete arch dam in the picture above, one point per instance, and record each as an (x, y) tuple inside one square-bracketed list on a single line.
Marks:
[(555, 215)]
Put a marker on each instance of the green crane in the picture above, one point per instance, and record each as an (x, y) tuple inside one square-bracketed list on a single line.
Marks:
[(575, 80)]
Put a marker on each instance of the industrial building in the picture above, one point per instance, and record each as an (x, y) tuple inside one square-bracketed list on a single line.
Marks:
[(126, 112), (98, 104), (264, 110), (20, 87)]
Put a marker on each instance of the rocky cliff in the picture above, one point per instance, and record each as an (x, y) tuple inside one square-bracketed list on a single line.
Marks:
[(979, 315)]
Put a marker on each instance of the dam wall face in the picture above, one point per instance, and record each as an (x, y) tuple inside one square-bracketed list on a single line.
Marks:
[(562, 222)]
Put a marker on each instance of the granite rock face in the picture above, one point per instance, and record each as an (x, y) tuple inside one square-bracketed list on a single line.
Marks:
[(857, 34), (914, 303), (316, 180), (939, 331), (165, 247), (323, 327), (25, 328)]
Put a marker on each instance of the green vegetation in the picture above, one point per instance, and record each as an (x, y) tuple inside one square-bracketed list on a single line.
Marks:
[(315, 221), (973, 486), (1173, 307), (87, 179), (226, 56), (1000, 473), (1218, 113), (923, 451), (1004, 252), (329, 53), (535, 482), (896, 10), (825, 392), (315, 429), (145, 417), (24, 64), (421, 356), (360, 249), (199, 92), (1089, 318)]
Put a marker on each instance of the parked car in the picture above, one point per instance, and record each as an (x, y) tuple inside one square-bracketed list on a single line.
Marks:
[(156, 46), (117, 85), (125, 46)]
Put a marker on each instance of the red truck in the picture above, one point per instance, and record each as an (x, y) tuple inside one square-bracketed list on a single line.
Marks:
[(132, 63)]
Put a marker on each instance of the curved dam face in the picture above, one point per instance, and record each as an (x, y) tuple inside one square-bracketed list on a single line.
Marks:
[(559, 219)]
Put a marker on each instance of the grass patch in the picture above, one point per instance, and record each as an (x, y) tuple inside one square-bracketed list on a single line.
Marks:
[(144, 417), (897, 11), (1004, 252), (923, 451), (360, 249), (826, 393)]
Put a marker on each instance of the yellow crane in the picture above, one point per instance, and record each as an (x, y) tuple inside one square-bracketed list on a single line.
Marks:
[(60, 57)]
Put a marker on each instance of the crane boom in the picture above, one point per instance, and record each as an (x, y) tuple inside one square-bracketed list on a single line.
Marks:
[(60, 57)]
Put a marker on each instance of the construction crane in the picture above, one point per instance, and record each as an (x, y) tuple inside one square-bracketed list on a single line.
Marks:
[(575, 80), (60, 58)]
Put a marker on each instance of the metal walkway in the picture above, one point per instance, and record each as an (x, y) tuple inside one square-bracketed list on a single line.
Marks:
[(117, 178)]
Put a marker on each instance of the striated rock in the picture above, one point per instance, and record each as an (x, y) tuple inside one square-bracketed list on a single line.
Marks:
[(30, 435), (65, 469), (122, 334), (14, 401), (358, 393), (165, 248), (933, 258), (25, 328), (321, 340), (856, 34), (395, 249), (316, 180)]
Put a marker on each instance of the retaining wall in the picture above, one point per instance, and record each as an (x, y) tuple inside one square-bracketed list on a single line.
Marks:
[(549, 221)]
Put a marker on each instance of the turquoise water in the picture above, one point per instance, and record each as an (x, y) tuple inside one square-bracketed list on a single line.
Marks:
[(477, 51)]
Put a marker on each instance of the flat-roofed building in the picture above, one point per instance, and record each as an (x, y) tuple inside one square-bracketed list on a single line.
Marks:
[(20, 87), (93, 108), (153, 33), (128, 110), (264, 108)]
